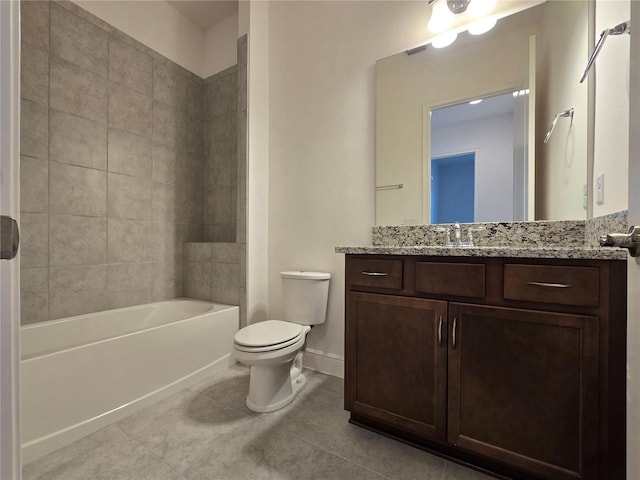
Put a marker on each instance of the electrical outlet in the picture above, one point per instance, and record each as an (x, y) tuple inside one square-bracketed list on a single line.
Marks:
[(584, 197), (600, 189)]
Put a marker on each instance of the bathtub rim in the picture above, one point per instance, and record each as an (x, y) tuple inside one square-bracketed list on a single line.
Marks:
[(40, 446), (27, 358)]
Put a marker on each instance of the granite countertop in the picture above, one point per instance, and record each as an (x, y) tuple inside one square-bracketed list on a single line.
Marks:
[(586, 253)]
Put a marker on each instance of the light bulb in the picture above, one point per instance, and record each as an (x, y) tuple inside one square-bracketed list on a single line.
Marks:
[(482, 26), (478, 8), (444, 39), (441, 17)]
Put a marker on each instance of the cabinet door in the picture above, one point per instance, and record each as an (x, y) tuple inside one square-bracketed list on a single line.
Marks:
[(396, 362), (523, 389)]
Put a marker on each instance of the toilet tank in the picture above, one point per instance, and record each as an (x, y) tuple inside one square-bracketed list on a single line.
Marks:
[(305, 296)]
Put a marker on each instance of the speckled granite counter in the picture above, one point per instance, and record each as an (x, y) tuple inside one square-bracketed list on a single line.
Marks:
[(504, 252), (541, 239)]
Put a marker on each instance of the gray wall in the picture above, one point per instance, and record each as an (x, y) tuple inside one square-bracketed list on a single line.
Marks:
[(217, 271), (221, 164), (113, 156)]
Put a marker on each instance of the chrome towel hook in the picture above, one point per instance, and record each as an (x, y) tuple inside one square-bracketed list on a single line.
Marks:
[(565, 113), (624, 27)]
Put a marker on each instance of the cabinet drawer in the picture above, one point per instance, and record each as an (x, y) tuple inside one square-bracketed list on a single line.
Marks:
[(375, 273), (460, 279), (561, 285)]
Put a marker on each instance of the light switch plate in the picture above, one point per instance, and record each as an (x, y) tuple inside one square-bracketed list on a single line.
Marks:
[(600, 189)]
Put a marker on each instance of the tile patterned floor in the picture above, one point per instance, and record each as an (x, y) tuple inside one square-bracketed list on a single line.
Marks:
[(207, 433)]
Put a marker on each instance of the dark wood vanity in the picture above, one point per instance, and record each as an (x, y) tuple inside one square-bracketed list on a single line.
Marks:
[(515, 366)]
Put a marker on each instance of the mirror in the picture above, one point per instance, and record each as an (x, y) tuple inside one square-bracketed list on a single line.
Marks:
[(538, 53), (477, 170)]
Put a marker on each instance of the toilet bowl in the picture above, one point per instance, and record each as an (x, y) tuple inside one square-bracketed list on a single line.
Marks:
[(273, 348)]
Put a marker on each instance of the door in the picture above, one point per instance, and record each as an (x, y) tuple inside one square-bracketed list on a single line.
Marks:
[(633, 270), (9, 269), (521, 388), (396, 370)]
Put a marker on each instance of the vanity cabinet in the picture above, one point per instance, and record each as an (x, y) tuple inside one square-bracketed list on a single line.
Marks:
[(515, 366), (399, 361)]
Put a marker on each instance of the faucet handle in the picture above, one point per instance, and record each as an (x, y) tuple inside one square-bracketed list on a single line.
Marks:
[(447, 237), (470, 231)]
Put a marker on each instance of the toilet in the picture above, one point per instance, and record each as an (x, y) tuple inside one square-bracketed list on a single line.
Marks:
[(273, 348)]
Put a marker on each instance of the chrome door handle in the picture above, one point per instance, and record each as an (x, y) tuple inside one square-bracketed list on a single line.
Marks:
[(629, 240), (551, 285), (9, 237), (440, 332), (453, 336), (375, 274)]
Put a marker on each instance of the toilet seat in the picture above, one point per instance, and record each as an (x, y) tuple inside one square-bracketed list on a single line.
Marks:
[(267, 336)]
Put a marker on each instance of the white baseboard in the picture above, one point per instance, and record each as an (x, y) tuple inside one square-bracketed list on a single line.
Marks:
[(328, 363)]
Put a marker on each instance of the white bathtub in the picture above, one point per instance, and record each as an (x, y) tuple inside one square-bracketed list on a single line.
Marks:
[(81, 373)]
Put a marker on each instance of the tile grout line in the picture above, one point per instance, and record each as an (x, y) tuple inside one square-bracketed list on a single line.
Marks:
[(146, 449), (343, 458)]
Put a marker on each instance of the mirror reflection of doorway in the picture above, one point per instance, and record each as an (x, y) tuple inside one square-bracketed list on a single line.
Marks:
[(452, 188)]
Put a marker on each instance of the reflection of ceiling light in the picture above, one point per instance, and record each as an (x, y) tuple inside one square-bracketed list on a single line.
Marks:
[(521, 93), (482, 26), (475, 102), (478, 8), (444, 39), (441, 17)]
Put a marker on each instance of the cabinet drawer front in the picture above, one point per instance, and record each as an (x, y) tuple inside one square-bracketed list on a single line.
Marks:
[(563, 285), (375, 273), (460, 279)]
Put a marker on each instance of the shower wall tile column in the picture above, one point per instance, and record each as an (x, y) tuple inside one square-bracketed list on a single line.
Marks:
[(112, 160), (34, 161), (241, 175), (220, 200)]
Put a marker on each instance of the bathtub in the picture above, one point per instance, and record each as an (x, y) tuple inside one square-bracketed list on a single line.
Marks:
[(81, 373)]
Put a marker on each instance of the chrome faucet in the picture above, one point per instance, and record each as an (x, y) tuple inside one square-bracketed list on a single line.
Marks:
[(457, 236)]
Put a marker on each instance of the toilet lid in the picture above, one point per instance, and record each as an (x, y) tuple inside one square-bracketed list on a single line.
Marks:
[(269, 332)]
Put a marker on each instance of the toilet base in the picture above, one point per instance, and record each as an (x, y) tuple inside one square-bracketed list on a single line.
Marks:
[(275, 386)]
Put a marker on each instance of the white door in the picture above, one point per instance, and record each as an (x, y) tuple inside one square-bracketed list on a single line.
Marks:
[(633, 323), (10, 468)]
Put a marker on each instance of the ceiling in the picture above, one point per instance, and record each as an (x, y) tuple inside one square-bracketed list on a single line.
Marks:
[(205, 13), (461, 112)]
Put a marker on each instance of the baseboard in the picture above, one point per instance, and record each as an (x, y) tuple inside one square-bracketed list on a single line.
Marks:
[(328, 363)]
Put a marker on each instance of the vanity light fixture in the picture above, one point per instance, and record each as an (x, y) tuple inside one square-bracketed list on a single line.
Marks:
[(478, 8), (482, 26), (444, 39), (441, 16), (443, 13)]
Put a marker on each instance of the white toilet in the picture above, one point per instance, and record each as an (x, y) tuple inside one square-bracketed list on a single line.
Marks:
[(273, 348)]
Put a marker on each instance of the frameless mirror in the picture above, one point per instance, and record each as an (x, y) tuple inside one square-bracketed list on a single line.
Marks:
[(526, 70), (478, 160)]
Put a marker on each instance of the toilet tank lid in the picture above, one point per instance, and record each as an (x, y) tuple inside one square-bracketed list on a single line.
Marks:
[(305, 275)]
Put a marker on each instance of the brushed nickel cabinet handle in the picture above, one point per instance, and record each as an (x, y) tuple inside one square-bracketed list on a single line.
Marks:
[(550, 285), (440, 332), (453, 336), (375, 274)]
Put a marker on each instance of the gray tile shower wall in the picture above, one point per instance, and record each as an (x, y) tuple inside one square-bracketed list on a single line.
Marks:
[(112, 161), (220, 207), (241, 173), (212, 271)]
